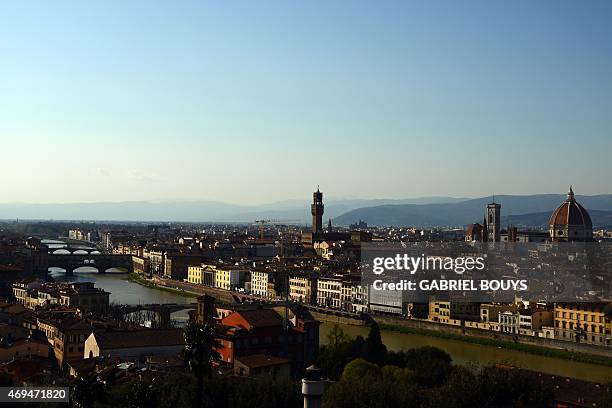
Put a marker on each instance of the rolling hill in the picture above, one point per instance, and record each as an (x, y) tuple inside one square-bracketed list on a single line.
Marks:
[(195, 211), (529, 210)]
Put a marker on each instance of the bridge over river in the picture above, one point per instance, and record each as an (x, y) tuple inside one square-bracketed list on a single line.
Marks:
[(71, 256), (100, 262)]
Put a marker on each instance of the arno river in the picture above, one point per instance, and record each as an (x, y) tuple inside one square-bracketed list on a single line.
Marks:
[(124, 291)]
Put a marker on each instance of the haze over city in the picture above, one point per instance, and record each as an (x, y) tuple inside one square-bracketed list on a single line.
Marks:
[(253, 103)]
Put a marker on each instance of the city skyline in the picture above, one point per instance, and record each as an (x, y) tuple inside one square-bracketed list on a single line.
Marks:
[(113, 102), (306, 204)]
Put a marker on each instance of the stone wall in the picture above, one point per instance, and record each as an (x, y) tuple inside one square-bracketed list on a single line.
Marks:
[(506, 337), (329, 317)]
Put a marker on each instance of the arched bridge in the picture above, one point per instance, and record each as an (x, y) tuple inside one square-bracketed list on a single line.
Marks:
[(101, 262), (73, 250), (53, 248)]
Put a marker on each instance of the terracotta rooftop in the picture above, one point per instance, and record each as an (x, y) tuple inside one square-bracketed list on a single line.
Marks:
[(139, 338), (570, 212), (261, 318)]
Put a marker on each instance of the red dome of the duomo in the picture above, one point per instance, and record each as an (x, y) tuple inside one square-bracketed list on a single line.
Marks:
[(570, 221)]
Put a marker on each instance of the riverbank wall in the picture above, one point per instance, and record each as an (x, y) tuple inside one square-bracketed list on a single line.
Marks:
[(458, 332), (220, 295), (332, 318)]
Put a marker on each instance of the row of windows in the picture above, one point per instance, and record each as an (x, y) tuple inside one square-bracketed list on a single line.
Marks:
[(332, 295), (579, 317), (329, 286), (571, 326)]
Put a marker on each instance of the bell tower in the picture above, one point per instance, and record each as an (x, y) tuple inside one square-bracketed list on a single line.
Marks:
[(493, 221), (316, 209)]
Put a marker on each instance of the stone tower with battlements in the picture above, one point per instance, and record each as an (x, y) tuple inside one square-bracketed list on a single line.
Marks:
[(316, 209)]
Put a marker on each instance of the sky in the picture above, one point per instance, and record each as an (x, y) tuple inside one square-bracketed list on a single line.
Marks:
[(253, 102)]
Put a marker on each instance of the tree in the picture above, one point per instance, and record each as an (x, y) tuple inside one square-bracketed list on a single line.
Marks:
[(374, 349), (265, 392), (512, 388), (142, 393), (86, 390), (178, 390), (360, 369), (200, 353), (336, 336), (332, 359), (393, 374), (362, 394), (364, 385), (402, 382), (461, 390)]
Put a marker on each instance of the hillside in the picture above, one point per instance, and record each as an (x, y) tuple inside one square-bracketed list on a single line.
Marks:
[(533, 209), (196, 211)]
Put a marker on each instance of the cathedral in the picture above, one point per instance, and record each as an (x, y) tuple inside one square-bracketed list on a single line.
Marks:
[(570, 222)]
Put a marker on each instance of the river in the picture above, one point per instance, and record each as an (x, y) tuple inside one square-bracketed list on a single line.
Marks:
[(124, 291)]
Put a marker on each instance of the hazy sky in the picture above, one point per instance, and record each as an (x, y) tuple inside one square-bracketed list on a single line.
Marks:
[(260, 101)]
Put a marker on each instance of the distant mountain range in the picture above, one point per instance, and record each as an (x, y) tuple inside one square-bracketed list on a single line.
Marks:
[(196, 211), (530, 210), (601, 219), (524, 211)]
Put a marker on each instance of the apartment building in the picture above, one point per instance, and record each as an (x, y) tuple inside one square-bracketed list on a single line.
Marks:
[(439, 311), (489, 312), (262, 284), (509, 322), (85, 296), (584, 322), (329, 292), (303, 289), (195, 274), (359, 298), (230, 278)]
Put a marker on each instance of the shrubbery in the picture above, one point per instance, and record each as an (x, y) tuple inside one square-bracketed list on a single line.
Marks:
[(370, 376), (365, 375)]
